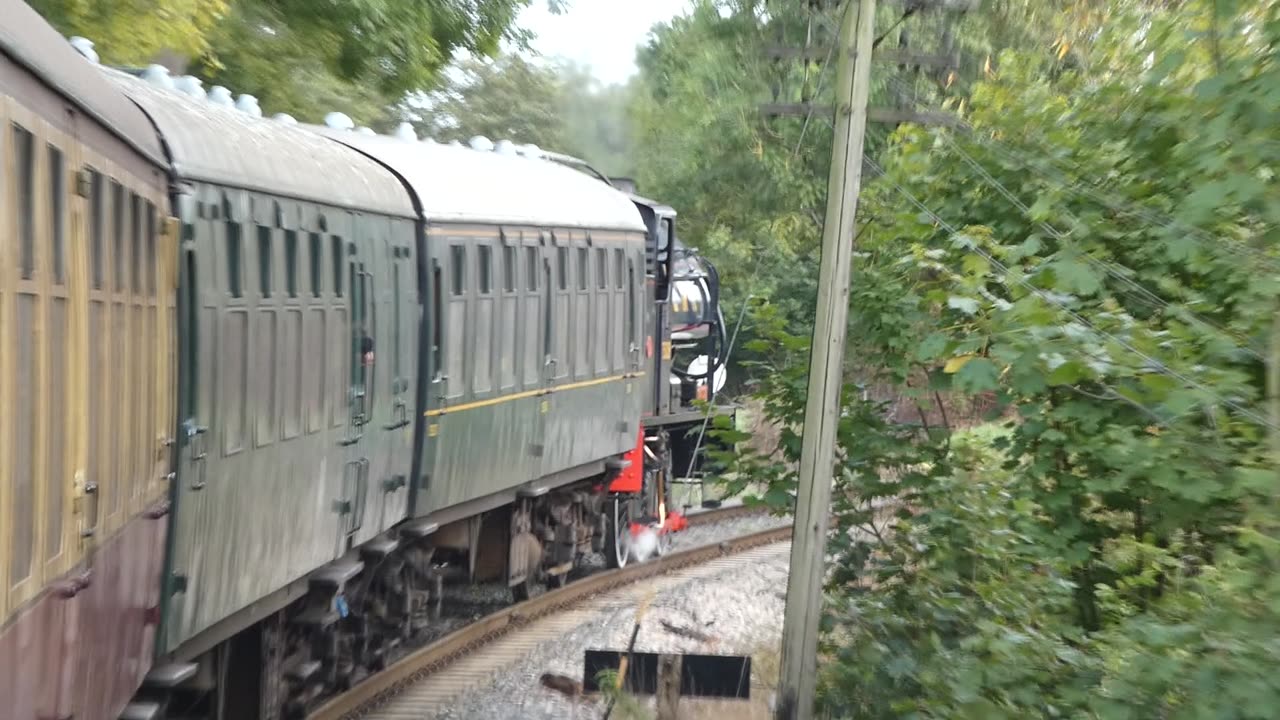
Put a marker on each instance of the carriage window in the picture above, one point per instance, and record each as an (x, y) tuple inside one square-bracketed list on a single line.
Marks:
[(582, 268), (117, 241), (617, 267), (486, 269), (135, 244), (437, 319), (562, 269), (95, 227), (264, 261), (395, 307), (24, 143), (336, 244), (317, 262), (509, 259), (26, 165), (631, 302), (233, 259), (531, 269), (602, 268), (458, 264), (150, 267), (57, 204), (291, 263)]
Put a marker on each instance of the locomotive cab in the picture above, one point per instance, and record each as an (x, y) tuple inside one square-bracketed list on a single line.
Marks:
[(697, 328)]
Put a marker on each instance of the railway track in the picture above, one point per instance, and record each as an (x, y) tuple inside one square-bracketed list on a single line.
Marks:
[(367, 698)]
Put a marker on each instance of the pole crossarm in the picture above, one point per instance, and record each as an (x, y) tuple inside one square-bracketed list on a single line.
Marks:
[(879, 115), (889, 55)]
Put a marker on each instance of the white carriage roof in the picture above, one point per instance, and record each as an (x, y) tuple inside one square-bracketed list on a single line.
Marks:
[(218, 143), (458, 184)]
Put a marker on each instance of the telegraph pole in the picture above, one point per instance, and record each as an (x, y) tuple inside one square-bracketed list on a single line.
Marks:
[(822, 407)]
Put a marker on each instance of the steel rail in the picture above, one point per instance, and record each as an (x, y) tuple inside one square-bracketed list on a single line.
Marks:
[(381, 687)]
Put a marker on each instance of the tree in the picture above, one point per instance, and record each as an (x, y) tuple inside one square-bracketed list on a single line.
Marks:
[(1097, 253), (598, 126), (554, 105), (133, 33), (507, 98), (299, 56)]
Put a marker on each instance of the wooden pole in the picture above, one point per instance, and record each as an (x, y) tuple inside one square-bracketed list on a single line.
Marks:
[(822, 408), (1273, 395), (668, 695)]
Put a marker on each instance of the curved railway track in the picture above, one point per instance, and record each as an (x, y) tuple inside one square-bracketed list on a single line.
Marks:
[(376, 691)]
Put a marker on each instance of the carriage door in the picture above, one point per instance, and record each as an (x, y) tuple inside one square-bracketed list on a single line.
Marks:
[(546, 332), (393, 428), (194, 431), (360, 360)]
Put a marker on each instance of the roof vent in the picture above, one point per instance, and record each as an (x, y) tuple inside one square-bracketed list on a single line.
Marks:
[(505, 147), (362, 130), (284, 118), (158, 75), (338, 121), (189, 85), (404, 131), (219, 95), (248, 104), (531, 150), (481, 143), (455, 143), (84, 46)]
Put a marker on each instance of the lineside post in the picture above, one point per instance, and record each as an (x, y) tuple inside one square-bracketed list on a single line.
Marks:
[(668, 694), (822, 407)]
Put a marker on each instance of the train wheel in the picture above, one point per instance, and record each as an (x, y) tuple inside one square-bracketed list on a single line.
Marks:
[(664, 544), (617, 544)]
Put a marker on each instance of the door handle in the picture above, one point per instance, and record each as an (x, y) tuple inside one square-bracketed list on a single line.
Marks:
[(441, 393), (359, 473), (357, 403), (399, 415), (196, 441), (89, 490)]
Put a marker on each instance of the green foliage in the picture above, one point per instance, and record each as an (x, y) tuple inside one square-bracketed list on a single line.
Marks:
[(556, 106), (625, 706), (1105, 268), (298, 56), (129, 32), (506, 98)]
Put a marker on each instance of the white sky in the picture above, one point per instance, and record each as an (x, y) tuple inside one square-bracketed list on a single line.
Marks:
[(602, 34)]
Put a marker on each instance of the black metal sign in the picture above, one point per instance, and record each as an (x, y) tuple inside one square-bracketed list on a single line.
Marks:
[(721, 676)]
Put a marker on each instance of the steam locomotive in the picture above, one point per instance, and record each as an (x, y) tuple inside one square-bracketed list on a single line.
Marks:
[(269, 386)]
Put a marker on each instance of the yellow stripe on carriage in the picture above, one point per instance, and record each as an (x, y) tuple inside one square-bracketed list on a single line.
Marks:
[(529, 393)]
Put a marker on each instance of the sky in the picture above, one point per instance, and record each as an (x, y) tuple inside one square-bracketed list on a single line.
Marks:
[(602, 34)]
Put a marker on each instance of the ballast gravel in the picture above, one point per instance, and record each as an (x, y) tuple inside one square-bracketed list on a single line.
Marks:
[(740, 608), (465, 603)]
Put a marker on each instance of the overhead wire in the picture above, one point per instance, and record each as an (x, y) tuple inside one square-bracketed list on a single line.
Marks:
[(1154, 363), (1234, 246), (1110, 269), (1231, 245), (817, 90)]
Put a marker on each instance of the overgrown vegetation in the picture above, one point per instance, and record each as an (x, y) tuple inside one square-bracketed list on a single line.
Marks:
[(1097, 250), (302, 57)]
